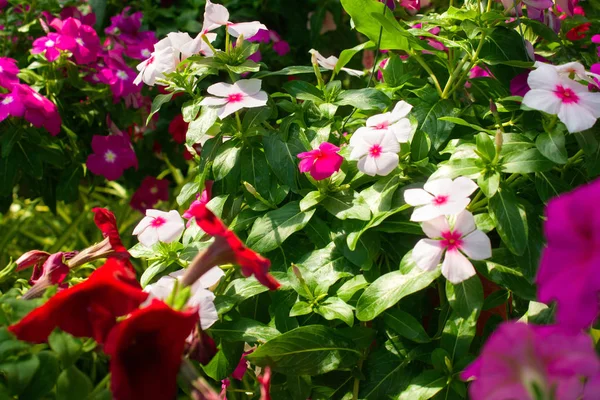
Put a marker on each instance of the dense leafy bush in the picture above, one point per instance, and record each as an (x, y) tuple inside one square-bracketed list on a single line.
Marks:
[(389, 221)]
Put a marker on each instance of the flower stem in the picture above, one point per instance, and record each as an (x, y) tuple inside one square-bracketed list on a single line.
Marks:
[(436, 83), (101, 385)]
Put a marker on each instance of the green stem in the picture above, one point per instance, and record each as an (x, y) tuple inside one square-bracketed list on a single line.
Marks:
[(436, 83), (474, 60), (238, 121), (441, 292), (100, 386)]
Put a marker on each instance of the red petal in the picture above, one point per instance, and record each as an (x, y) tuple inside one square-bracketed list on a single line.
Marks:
[(107, 223)]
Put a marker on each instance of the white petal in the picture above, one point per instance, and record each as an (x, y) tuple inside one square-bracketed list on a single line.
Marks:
[(148, 237), (256, 100), (359, 150), (163, 44), (358, 134), (576, 118), (386, 163), (247, 29), (213, 101), (172, 229), (389, 143), (425, 213), (248, 86), (543, 77), (379, 119), (427, 254), (454, 206), (572, 67), (215, 15), (465, 223), (179, 39), (367, 165), (353, 72), (144, 223), (211, 277), (162, 288), (156, 213), (229, 108), (417, 197), (591, 101), (456, 267), (476, 245), (439, 187), (402, 130), (435, 227), (401, 109), (222, 89), (543, 100), (204, 300), (463, 187)]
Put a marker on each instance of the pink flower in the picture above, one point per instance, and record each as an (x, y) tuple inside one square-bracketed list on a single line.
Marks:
[(178, 129), (568, 272), (411, 6), (89, 18), (8, 72), (479, 72), (322, 162), (112, 155), (201, 199), (126, 26), (11, 106), (262, 36), (242, 366), (119, 76), (380, 69), (150, 192), (520, 359), (87, 43), (51, 45), (38, 110), (281, 48), (143, 47), (256, 56)]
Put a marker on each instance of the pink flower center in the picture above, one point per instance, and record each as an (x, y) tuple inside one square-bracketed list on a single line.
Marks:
[(375, 151), (566, 95), (110, 156), (440, 200), (451, 240), (382, 125), (158, 221), (235, 97)]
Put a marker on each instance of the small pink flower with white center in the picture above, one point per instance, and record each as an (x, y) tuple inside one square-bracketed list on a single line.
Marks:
[(377, 152), (552, 93), (330, 62), (233, 97), (463, 237), (440, 197), (159, 226)]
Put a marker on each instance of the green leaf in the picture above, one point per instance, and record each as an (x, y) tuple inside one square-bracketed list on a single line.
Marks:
[(294, 70), (465, 297), (255, 116), (507, 277), (155, 268), (272, 229), (226, 159), (198, 128), (346, 55), (187, 191), (225, 361), (389, 289), (190, 109), (552, 146), (67, 189), (457, 167), (363, 99), (73, 384), (282, 158), (429, 115), (254, 170), (300, 308), (351, 286), (67, 347), (511, 220), (44, 379), (394, 73), (461, 14), (157, 103), (244, 330), (304, 91), (387, 373), (548, 185), (379, 196), (458, 334), (460, 121), (405, 325), (503, 45), (496, 299), (525, 162), (19, 373), (242, 289), (307, 350), (424, 386), (246, 66), (311, 199), (485, 146), (419, 146), (299, 386), (347, 204), (489, 183), (335, 308)]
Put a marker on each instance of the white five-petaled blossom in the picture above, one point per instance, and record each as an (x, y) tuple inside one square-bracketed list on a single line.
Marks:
[(216, 15), (394, 121), (159, 226), (440, 197), (244, 93), (573, 69), (554, 93), (200, 297), (330, 62), (463, 237), (160, 63), (376, 152)]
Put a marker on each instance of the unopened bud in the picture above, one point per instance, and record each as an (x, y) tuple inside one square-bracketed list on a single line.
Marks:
[(493, 107), (30, 258), (499, 139)]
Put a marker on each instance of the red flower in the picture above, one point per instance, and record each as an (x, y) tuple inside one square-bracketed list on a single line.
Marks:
[(178, 129), (579, 31), (33, 257), (265, 384), (88, 309), (150, 192), (227, 249), (146, 351), (107, 223)]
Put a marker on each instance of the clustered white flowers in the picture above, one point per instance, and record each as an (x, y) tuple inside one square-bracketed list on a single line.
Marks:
[(441, 207)]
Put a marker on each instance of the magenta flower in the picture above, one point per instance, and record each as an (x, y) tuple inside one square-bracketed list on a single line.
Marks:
[(256, 56), (125, 26), (519, 359), (51, 45), (201, 199), (262, 36), (8, 72), (321, 163), (150, 192), (119, 76), (568, 272), (10, 106), (38, 110), (143, 47), (87, 44), (74, 12), (112, 155), (281, 48)]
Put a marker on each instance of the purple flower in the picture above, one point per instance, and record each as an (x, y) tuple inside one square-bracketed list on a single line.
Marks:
[(281, 48), (112, 155), (86, 42), (119, 76), (568, 272), (25, 102), (262, 36), (143, 47), (150, 192), (8, 72), (519, 360), (74, 12), (51, 45), (256, 56), (125, 26), (390, 3)]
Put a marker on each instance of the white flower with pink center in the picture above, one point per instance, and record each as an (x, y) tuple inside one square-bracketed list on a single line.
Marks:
[(216, 15), (440, 197), (330, 62), (463, 237), (394, 121), (230, 98), (377, 152), (553, 93), (159, 226), (161, 62)]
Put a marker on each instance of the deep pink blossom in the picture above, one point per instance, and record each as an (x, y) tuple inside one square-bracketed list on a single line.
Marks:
[(201, 199), (281, 48), (519, 359), (262, 36), (256, 56), (119, 76), (112, 155), (568, 272), (3, 4), (150, 192), (11, 106), (87, 43), (321, 163), (51, 45), (8, 72), (88, 18), (143, 47), (126, 26), (178, 129), (25, 102)]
